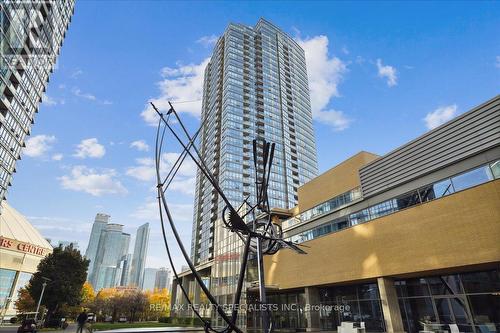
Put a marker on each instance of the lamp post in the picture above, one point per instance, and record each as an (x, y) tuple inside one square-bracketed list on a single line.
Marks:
[(44, 284)]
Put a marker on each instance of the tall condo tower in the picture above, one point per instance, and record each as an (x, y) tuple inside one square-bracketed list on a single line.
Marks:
[(31, 35), (255, 87), (139, 256)]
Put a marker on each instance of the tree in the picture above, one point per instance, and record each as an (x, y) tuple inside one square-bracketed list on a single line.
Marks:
[(159, 304), (88, 294), (67, 271), (24, 302), (136, 304)]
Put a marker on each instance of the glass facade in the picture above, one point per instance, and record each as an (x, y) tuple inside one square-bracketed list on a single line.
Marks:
[(100, 222), (31, 34), (7, 278), (139, 256), (355, 303), (23, 279), (112, 248), (430, 192), (255, 87), (286, 309), (470, 300), (329, 206)]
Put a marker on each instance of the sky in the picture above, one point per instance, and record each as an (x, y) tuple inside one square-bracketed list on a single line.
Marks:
[(380, 74)]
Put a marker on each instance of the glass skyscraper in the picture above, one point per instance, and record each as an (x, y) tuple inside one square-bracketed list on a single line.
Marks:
[(100, 222), (31, 35), (112, 249), (139, 256), (255, 87)]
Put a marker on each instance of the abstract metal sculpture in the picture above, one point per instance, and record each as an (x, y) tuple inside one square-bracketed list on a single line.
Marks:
[(255, 227)]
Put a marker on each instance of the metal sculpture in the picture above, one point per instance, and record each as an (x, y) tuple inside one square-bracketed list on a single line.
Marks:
[(255, 227)]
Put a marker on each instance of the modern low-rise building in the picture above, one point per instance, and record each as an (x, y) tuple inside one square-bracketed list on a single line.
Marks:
[(22, 248), (405, 242)]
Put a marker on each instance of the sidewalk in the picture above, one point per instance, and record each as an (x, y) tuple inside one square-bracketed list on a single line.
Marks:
[(13, 329)]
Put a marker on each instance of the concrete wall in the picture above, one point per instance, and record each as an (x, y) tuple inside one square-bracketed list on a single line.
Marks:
[(339, 179)]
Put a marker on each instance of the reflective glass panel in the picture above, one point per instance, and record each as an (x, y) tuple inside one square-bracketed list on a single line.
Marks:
[(472, 178)]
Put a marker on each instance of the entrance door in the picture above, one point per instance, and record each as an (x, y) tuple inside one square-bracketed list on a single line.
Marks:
[(454, 310)]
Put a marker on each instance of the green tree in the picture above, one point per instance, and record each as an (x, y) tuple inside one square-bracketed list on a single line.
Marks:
[(67, 271)]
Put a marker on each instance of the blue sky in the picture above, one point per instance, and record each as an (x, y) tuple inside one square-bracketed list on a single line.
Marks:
[(380, 74)]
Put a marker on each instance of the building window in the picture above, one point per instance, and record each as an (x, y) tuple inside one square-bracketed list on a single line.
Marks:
[(472, 178), (469, 300), (7, 278), (357, 303)]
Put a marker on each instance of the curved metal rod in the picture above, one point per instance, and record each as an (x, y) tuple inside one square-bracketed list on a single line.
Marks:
[(183, 250)]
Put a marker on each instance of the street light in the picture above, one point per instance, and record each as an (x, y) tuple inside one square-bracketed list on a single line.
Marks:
[(44, 284)]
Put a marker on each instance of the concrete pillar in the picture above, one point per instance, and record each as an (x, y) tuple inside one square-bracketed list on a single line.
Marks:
[(311, 313), (183, 311), (173, 298), (196, 297), (390, 305)]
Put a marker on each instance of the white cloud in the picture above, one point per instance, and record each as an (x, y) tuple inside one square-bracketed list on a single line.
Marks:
[(78, 93), (57, 157), (440, 116), (325, 74), (90, 148), (208, 41), (186, 185), (140, 145), (337, 119), (181, 213), (497, 63), (76, 73), (84, 179), (184, 84), (38, 145), (48, 101), (345, 50), (145, 170), (388, 72), (185, 180)]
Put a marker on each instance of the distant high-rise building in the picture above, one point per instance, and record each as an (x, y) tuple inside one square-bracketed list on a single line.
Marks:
[(100, 222), (148, 282), (64, 243), (139, 256), (162, 280), (31, 35), (112, 248), (125, 269)]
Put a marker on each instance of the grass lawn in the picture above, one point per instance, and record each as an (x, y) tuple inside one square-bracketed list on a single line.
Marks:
[(111, 326)]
